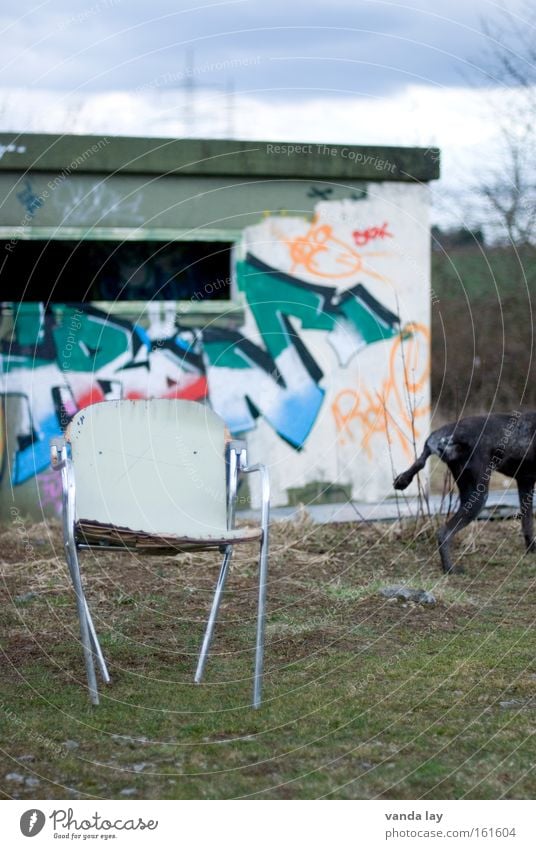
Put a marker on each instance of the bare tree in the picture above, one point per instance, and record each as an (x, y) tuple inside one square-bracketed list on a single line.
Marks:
[(509, 188)]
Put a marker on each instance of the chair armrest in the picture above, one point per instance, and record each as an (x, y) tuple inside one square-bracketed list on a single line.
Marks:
[(239, 448), (265, 492), (236, 458), (58, 453)]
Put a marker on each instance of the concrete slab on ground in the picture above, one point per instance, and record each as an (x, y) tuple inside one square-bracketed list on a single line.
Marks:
[(501, 504)]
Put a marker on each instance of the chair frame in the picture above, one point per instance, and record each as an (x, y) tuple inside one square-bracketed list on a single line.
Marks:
[(236, 462)]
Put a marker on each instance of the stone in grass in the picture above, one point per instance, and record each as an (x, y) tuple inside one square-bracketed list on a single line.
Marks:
[(29, 781), (128, 791), (402, 593), (141, 766), (425, 597), (26, 597), (16, 777), (511, 704), (399, 592), (125, 739)]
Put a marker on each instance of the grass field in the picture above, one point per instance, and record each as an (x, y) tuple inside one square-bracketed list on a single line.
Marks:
[(364, 698)]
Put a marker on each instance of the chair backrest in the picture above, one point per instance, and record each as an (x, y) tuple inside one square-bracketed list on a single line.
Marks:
[(156, 466)]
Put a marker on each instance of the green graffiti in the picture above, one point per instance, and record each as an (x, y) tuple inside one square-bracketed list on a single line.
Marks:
[(85, 341), (271, 295), (225, 354), (28, 326)]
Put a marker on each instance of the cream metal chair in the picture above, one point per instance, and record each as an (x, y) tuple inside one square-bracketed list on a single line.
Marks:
[(153, 477)]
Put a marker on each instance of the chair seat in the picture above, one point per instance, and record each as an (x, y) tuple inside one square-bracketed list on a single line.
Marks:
[(96, 533)]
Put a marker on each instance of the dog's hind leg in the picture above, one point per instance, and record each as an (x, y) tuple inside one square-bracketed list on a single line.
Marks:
[(525, 488), (404, 479), (473, 495)]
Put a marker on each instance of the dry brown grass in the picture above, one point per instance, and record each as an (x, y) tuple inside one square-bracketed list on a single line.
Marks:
[(364, 697)]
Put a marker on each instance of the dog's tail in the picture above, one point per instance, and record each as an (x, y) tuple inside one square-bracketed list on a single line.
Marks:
[(403, 480)]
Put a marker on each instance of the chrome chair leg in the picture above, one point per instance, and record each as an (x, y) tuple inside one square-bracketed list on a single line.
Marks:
[(105, 675), (261, 622), (213, 615), (92, 632), (263, 580), (85, 634)]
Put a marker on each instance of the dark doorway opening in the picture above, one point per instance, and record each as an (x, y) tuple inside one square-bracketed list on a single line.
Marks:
[(71, 271)]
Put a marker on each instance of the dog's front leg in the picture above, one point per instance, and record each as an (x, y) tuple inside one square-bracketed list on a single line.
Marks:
[(473, 495), (525, 488)]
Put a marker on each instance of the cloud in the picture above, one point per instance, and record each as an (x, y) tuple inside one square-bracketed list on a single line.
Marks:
[(349, 71), (341, 46), (461, 122)]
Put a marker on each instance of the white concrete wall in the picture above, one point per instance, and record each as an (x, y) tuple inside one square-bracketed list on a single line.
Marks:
[(371, 413)]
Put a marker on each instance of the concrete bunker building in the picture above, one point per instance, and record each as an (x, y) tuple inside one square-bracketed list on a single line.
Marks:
[(287, 285)]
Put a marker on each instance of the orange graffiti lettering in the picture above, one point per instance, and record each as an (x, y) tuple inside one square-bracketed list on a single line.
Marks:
[(321, 253), (394, 410)]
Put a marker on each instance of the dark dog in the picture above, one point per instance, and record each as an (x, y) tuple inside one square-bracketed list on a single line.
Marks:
[(473, 448)]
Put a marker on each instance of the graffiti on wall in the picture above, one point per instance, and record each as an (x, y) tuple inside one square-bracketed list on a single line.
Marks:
[(78, 355), (29, 199), (57, 361), (302, 281), (286, 389), (395, 407), (299, 276)]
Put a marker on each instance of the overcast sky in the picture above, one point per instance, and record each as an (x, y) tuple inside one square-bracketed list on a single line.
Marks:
[(350, 71), (304, 47)]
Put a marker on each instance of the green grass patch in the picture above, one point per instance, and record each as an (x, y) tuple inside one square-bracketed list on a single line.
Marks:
[(364, 697)]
